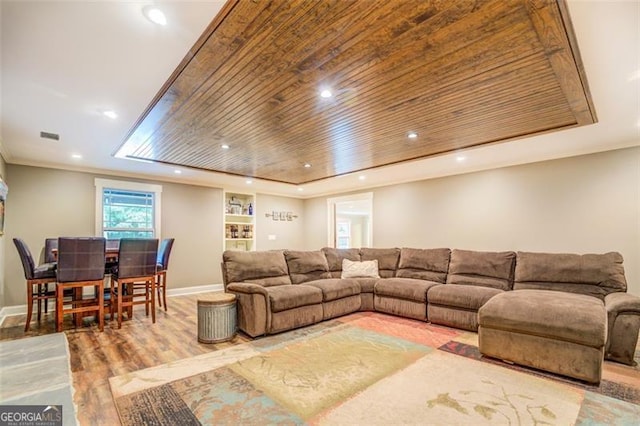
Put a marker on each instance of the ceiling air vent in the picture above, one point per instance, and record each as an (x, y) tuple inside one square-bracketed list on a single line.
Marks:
[(47, 135)]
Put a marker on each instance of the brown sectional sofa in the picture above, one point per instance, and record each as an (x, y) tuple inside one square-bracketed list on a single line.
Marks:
[(516, 301)]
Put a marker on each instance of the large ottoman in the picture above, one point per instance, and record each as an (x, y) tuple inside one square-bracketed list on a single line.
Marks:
[(564, 333)]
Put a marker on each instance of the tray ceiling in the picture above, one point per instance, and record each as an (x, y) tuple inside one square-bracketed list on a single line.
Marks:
[(458, 74)]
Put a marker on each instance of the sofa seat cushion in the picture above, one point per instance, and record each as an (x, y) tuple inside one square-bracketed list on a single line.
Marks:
[(285, 297), (335, 288), (461, 296), (570, 317), (404, 288)]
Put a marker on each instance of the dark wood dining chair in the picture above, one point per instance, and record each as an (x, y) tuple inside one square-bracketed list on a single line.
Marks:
[(38, 278), (133, 281), (80, 264), (161, 270)]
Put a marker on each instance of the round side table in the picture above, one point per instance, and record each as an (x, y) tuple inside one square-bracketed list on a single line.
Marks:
[(217, 319)]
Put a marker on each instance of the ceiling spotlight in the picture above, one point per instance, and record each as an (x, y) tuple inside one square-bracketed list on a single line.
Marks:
[(249, 181), (224, 146), (111, 114), (155, 15), (362, 177), (307, 165), (460, 158), (178, 172), (326, 93), (412, 135), (300, 189), (76, 156)]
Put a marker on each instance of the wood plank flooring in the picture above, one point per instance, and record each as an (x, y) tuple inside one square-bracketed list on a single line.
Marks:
[(95, 356)]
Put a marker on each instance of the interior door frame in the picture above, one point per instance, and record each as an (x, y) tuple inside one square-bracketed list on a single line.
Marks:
[(331, 215)]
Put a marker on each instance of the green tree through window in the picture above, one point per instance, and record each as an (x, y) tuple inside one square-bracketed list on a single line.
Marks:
[(127, 214)]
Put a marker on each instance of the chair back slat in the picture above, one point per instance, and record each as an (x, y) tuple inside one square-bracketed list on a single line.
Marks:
[(81, 259), (164, 252), (49, 245), (137, 258), (25, 258)]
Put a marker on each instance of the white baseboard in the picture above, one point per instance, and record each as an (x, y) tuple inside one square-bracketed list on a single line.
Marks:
[(8, 311), (194, 290)]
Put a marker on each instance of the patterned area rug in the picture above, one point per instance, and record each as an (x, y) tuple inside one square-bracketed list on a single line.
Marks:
[(368, 368)]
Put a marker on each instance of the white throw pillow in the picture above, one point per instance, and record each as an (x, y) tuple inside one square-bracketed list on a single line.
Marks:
[(365, 269)]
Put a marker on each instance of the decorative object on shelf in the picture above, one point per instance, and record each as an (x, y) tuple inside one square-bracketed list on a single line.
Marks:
[(284, 216), (233, 206)]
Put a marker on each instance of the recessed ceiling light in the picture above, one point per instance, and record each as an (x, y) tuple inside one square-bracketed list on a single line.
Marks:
[(412, 135), (307, 165), (224, 146), (249, 181), (76, 156), (300, 189), (326, 93), (155, 15), (460, 158), (178, 172), (111, 114), (362, 177)]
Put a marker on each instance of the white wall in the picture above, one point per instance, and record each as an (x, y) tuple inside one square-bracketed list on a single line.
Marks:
[(288, 234), (49, 203), (582, 204)]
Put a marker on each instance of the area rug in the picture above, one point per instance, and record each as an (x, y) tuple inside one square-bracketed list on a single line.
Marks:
[(35, 371), (367, 368)]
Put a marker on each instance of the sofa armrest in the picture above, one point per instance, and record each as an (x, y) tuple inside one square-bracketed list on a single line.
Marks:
[(623, 315), (254, 309)]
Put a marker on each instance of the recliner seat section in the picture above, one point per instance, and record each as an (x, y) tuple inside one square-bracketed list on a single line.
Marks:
[(339, 297), (473, 278), (490, 292), (335, 257), (598, 280), (406, 293)]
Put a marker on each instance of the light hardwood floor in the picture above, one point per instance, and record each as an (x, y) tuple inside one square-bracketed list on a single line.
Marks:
[(95, 356)]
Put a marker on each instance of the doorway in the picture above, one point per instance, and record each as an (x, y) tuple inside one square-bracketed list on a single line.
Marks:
[(350, 221)]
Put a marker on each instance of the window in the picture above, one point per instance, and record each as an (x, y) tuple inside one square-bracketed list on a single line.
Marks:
[(127, 209)]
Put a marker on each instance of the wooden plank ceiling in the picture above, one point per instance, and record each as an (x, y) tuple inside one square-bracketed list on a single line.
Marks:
[(458, 73)]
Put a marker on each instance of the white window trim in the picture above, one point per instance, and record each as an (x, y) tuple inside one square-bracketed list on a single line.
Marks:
[(101, 184)]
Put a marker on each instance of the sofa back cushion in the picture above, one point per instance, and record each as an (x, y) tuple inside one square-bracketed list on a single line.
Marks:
[(336, 256), (306, 266), (266, 268), (592, 274), (482, 268), (424, 264), (387, 259)]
